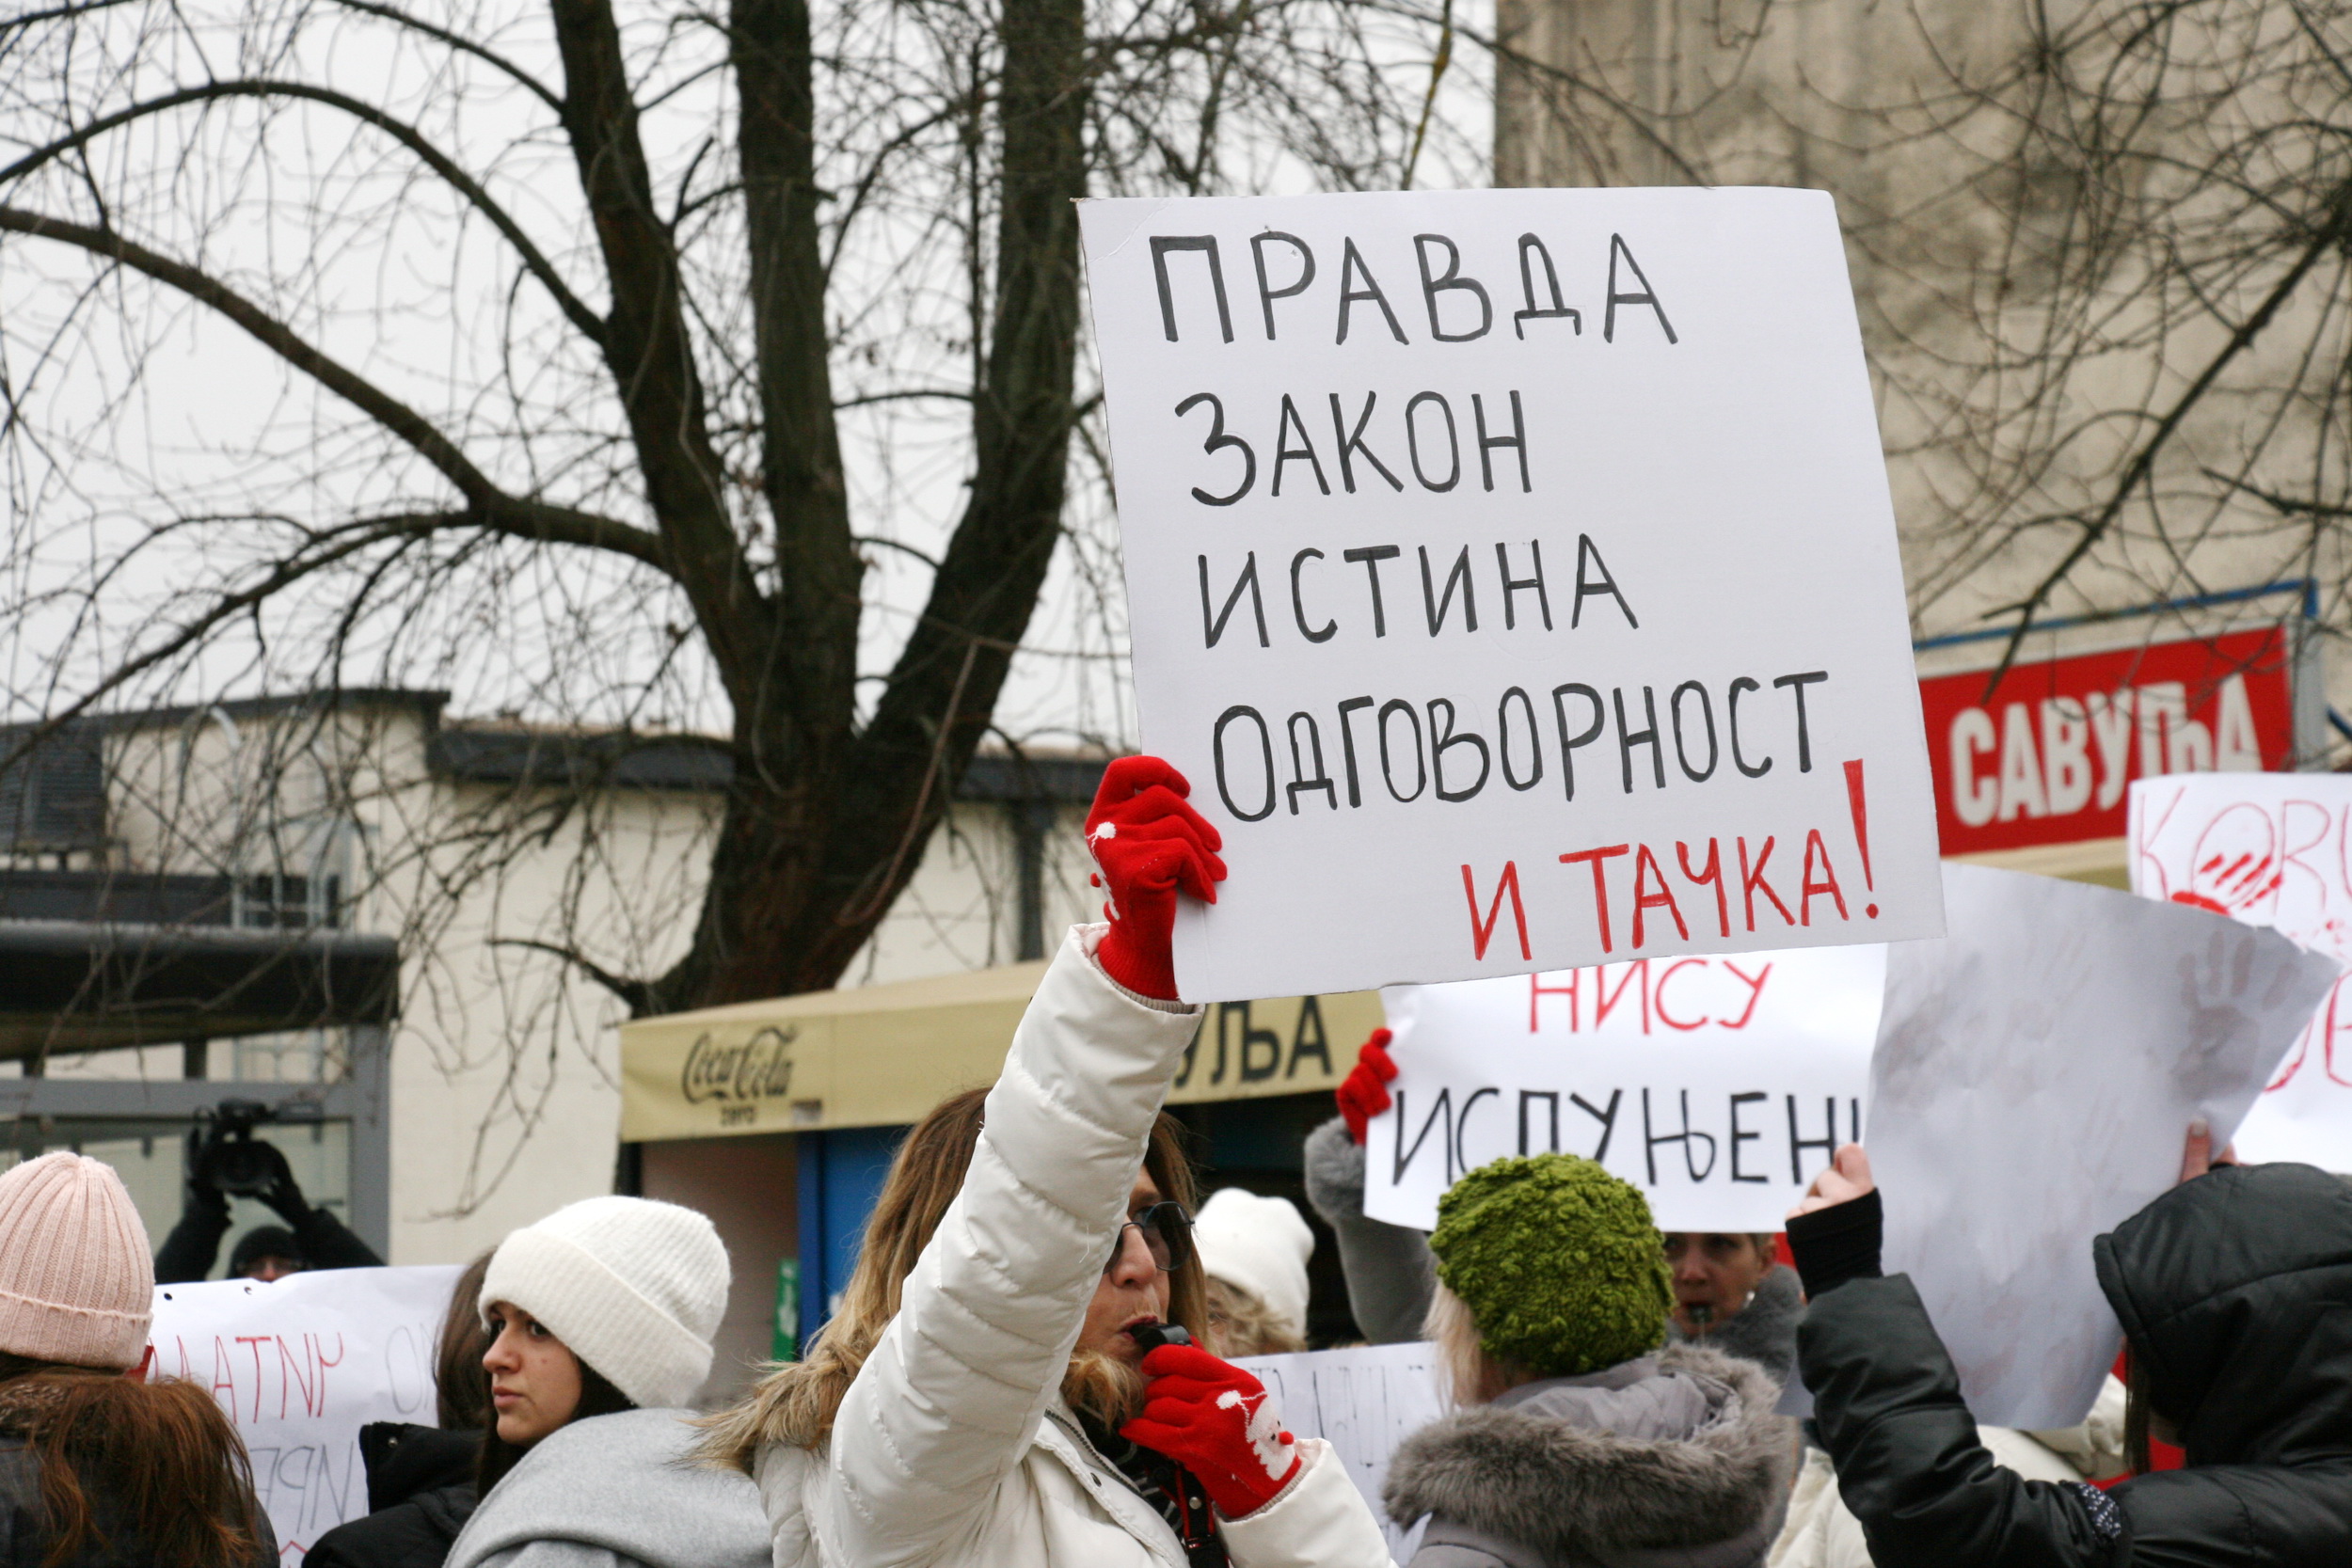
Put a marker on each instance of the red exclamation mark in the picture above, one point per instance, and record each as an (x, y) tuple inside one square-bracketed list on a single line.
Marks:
[(1859, 805)]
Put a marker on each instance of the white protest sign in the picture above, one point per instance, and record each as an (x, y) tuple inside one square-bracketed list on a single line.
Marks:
[(2036, 1073), (300, 1366), (1719, 1085), (1364, 1401), (1512, 575), (2269, 849)]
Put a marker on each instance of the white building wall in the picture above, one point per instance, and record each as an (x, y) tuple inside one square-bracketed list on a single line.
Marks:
[(506, 1060)]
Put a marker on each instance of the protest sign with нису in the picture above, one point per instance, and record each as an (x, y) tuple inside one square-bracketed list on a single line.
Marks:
[(2035, 1075), (1512, 575), (300, 1365), (2268, 850), (1718, 1085)]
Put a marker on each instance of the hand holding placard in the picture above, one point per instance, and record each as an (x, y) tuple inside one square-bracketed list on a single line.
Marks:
[(1363, 1094), (1843, 1180), (1148, 844)]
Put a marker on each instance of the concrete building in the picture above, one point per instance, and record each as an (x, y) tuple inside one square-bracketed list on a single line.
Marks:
[(486, 851)]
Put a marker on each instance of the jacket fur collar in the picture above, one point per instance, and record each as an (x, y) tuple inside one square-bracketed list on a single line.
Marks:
[(1577, 1494)]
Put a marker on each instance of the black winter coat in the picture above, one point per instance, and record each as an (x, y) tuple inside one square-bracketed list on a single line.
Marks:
[(2235, 1291), (421, 1492)]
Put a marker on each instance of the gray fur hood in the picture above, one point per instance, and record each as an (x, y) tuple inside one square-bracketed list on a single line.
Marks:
[(1669, 1460)]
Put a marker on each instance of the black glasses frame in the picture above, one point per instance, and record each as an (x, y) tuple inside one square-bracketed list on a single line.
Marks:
[(1167, 1236)]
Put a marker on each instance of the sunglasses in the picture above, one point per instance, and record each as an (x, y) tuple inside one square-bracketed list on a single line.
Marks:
[(1167, 1235)]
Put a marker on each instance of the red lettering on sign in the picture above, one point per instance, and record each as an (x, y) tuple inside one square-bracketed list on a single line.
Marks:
[(1645, 868), (1601, 884), (1480, 934)]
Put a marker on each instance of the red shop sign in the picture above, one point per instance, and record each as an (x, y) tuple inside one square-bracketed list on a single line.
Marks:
[(2045, 759)]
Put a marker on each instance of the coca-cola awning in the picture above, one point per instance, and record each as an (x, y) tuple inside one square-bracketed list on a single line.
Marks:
[(882, 1056)]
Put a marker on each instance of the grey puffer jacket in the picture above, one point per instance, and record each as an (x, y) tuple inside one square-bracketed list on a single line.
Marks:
[(1668, 1461)]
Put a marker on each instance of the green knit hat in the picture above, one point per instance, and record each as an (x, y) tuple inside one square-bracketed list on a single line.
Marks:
[(1558, 1262)]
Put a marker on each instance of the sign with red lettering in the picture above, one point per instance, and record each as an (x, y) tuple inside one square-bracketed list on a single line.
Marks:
[(2046, 758), (300, 1365), (2036, 1073), (1719, 1085), (2274, 849), (1512, 575)]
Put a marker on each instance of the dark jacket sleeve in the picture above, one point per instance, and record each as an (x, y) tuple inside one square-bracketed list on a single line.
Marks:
[(1391, 1274), (187, 1254), (1887, 1401), (327, 1243)]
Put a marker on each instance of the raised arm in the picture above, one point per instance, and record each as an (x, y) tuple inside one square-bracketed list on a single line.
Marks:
[(951, 1396), (1391, 1274), (1886, 1401)]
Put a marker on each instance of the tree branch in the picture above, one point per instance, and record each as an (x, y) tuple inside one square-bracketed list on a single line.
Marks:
[(817, 565), (651, 357), (493, 507), (574, 308), (2330, 235), (636, 995), (463, 45)]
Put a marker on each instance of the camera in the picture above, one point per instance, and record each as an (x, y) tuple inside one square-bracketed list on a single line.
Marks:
[(228, 1154)]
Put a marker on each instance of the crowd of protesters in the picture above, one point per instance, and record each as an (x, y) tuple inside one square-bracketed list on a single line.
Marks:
[(1033, 1361)]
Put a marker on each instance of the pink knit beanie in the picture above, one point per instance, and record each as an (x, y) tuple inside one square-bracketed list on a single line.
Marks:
[(77, 1284)]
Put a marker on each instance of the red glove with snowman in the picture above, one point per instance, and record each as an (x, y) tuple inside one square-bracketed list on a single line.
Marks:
[(1218, 1422)]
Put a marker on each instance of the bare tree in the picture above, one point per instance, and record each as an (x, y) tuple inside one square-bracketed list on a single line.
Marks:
[(613, 366), (2100, 250), (2151, 327)]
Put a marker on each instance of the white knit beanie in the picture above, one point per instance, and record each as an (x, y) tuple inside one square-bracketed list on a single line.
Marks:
[(1260, 1244), (77, 1284), (633, 1288)]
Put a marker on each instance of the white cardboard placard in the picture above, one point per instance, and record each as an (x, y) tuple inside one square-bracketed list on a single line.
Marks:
[(1499, 629), (2270, 850), (2036, 1072), (300, 1365), (1363, 1401), (1718, 1085)]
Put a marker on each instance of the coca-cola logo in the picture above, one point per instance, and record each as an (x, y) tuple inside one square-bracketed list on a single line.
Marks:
[(759, 1068)]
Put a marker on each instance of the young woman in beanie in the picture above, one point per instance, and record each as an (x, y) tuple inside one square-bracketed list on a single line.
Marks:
[(986, 1393), (98, 1468), (1579, 1441), (600, 1319)]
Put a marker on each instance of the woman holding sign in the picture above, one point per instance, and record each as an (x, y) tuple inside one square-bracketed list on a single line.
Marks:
[(2234, 1290), (1012, 1377)]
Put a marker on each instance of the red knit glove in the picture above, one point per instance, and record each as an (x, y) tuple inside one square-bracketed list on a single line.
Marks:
[(1147, 844), (1363, 1094), (1218, 1422)]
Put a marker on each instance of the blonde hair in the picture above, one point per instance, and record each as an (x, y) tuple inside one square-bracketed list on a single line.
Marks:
[(1471, 1374), (1240, 1324), (796, 1401)]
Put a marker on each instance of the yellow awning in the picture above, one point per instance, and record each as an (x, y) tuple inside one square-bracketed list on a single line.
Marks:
[(882, 1056)]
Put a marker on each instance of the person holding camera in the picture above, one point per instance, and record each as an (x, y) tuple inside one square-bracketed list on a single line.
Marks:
[(228, 1161)]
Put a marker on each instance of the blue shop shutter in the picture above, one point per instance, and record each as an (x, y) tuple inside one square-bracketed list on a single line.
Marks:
[(841, 1176)]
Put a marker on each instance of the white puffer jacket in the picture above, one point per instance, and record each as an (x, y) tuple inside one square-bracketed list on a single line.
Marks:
[(952, 1446)]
